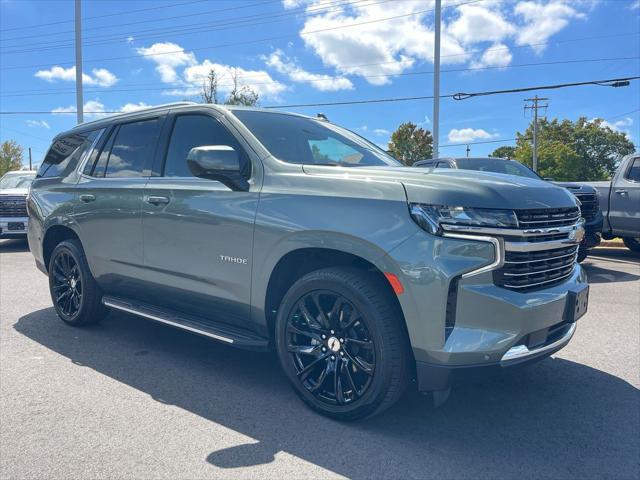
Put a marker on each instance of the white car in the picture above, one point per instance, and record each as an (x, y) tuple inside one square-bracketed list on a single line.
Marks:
[(14, 188)]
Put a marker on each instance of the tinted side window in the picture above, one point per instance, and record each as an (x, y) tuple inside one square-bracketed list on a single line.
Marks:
[(133, 146), (191, 131), (64, 154), (634, 171), (443, 165), (101, 164)]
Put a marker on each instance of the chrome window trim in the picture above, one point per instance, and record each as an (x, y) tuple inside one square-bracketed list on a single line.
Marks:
[(498, 248)]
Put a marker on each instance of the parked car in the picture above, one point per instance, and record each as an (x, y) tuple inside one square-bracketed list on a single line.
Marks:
[(620, 202), (14, 188), (267, 230), (587, 195)]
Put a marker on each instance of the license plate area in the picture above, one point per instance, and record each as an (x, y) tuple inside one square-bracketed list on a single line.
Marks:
[(577, 304), (15, 226)]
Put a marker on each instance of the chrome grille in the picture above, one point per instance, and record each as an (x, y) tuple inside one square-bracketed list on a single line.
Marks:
[(547, 217), (590, 205), (13, 206), (525, 271)]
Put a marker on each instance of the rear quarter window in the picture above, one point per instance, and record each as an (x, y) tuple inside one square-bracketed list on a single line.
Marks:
[(65, 152)]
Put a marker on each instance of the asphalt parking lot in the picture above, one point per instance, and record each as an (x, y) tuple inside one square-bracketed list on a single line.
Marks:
[(133, 399)]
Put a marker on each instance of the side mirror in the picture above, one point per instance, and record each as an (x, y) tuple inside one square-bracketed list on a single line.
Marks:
[(217, 162)]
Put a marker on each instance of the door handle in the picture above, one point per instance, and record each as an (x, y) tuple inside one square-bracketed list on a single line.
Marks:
[(87, 197), (157, 200), (621, 191)]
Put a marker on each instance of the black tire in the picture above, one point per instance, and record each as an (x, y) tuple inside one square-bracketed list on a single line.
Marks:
[(382, 342), (582, 254), (82, 304), (632, 243)]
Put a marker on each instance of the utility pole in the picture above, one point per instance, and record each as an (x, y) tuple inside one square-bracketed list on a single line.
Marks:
[(534, 106), (436, 80), (468, 150), (79, 99), (30, 164)]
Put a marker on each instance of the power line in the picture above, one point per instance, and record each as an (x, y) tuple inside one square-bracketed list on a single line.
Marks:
[(295, 35), (188, 29), (126, 12), (381, 100), (465, 96), (18, 93)]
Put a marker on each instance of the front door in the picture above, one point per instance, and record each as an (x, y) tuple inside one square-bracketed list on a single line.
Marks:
[(624, 212), (108, 207), (198, 234)]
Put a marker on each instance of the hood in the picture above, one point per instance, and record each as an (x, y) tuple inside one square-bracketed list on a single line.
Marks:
[(460, 187), (14, 191), (575, 187)]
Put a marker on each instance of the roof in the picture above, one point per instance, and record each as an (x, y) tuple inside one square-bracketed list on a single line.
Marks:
[(169, 106)]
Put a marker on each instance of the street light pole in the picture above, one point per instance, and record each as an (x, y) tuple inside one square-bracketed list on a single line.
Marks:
[(79, 99), (436, 79)]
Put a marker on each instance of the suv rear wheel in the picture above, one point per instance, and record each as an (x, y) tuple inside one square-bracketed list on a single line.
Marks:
[(342, 344), (75, 293)]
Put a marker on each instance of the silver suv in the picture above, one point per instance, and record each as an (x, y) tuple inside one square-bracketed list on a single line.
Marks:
[(266, 230)]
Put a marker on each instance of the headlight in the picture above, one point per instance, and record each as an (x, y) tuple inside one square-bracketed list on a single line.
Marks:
[(432, 217)]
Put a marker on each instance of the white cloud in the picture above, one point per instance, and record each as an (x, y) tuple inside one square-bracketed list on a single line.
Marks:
[(167, 56), (480, 23), (498, 55), (623, 125), (381, 132), (37, 124), (326, 83), (542, 21), (635, 5), (92, 109), (170, 57), (132, 107), (101, 76), (353, 40), (464, 135)]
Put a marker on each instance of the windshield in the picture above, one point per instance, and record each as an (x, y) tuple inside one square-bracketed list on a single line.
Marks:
[(305, 140), (496, 165), (16, 181)]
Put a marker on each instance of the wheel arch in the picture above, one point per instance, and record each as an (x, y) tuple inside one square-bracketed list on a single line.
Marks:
[(298, 262), (53, 236)]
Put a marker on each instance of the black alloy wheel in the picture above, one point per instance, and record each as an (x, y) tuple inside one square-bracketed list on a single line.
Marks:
[(67, 284), (342, 342), (76, 296), (331, 347)]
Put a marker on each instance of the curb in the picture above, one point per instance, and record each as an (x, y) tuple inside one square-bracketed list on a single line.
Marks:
[(611, 244)]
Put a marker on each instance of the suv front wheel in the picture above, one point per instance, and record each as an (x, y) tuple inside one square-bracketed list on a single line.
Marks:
[(75, 293), (341, 341)]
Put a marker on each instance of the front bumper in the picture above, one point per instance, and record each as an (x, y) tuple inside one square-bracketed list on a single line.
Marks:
[(459, 322), (593, 232), (13, 227)]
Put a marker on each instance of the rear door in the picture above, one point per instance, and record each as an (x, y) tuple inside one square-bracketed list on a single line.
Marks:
[(624, 209), (108, 208), (198, 234)]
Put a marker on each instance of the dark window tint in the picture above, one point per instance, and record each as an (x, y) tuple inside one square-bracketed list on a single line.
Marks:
[(191, 131), (443, 165), (634, 171), (64, 154), (295, 139), (133, 146), (100, 166)]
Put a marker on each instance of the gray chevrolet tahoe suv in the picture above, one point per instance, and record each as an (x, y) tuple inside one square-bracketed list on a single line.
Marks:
[(267, 230)]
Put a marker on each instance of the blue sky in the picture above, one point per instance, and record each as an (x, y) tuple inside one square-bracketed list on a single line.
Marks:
[(305, 51)]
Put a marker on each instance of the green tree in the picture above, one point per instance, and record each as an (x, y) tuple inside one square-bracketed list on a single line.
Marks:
[(574, 151), (506, 151), (10, 156), (409, 143)]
